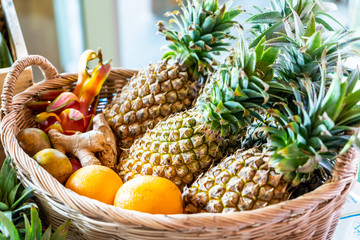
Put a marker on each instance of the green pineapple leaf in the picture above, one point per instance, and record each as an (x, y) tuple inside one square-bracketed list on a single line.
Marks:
[(291, 17), (300, 59), (314, 42), (198, 32), (316, 128), (352, 80), (238, 88), (265, 18), (333, 100), (311, 26), (301, 40)]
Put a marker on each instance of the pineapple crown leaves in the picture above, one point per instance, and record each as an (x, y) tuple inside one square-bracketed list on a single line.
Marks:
[(254, 135), (238, 88), (13, 196), (317, 128), (33, 228), (303, 50), (199, 31), (271, 22)]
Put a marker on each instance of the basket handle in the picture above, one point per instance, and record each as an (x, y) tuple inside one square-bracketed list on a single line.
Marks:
[(48, 70)]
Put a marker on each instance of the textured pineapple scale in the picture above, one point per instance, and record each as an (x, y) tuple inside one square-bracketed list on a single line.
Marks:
[(242, 181), (179, 149), (156, 92)]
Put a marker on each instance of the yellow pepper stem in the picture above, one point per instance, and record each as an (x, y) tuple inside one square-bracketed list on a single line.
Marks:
[(83, 74), (91, 88)]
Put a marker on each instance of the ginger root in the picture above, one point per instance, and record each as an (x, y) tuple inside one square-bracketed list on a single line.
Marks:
[(94, 147)]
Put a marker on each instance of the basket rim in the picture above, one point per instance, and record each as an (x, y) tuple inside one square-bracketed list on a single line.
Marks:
[(48, 185)]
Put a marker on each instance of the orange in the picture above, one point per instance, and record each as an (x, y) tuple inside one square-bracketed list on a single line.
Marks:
[(150, 194), (96, 182)]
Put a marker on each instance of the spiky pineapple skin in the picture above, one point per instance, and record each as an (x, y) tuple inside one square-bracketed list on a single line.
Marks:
[(179, 148), (242, 181), (154, 93)]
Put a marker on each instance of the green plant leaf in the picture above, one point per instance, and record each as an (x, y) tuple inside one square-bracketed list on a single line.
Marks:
[(28, 230), (3, 207), (12, 194), (268, 33), (277, 141), (2, 237), (24, 207), (5, 56), (24, 196), (220, 108), (8, 227), (259, 49), (333, 19), (62, 231), (311, 27), (334, 98), (314, 42), (324, 23), (292, 158), (47, 234), (352, 79), (35, 223), (265, 18), (231, 14)]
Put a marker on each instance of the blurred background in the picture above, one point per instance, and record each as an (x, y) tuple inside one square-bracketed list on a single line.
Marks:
[(124, 30)]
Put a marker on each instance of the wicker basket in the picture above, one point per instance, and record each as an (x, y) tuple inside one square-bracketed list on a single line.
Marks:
[(311, 216)]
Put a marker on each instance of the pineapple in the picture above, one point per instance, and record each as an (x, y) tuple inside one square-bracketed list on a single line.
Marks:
[(171, 85), (242, 181), (186, 144), (312, 132)]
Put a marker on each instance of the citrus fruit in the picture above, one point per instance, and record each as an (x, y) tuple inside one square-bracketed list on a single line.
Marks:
[(150, 194), (33, 140), (96, 182), (55, 162)]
